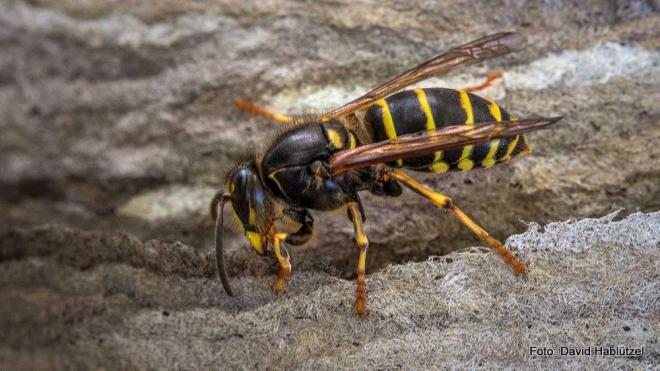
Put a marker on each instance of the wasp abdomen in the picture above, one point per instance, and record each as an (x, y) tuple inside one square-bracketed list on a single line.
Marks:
[(412, 111)]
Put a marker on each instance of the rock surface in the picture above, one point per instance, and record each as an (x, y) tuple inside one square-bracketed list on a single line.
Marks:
[(117, 127)]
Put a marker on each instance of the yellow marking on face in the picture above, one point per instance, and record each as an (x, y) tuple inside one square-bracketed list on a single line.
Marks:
[(489, 161), (512, 145), (252, 216), (439, 167), (352, 141), (467, 107), (495, 111), (255, 241), (388, 123), (231, 187), (335, 139)]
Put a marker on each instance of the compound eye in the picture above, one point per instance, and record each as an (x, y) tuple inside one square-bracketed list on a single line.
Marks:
[(248, 201), (239, 188)]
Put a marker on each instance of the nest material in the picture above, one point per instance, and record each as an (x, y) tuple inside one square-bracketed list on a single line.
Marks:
[(79, 299)]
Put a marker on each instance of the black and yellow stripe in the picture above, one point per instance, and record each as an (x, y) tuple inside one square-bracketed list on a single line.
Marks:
[(388, 123), (417, 110), (465, 161), (489, 159), (339, 136), (437, 164)]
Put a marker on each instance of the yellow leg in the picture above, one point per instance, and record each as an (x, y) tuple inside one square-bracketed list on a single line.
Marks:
[(363, 244), (492, 76), (284, 261), (262, 111), (446, 203)]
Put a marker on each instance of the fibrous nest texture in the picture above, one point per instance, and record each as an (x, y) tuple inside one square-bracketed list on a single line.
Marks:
[(74, 299)]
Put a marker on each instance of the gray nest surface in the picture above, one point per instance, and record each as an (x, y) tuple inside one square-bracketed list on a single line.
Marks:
[(117, 124), (74, 299)]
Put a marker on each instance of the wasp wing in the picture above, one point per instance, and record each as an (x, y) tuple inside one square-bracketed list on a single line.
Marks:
[(428, 142), (466, 54)]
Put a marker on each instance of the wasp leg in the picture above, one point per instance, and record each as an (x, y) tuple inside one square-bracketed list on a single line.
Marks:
[(492, 76), (255, 109), (355, 214), (445, 202), (284, 261), (299, 237), (304, 233)]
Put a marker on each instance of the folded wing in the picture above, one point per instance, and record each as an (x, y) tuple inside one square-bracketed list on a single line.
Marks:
[(428, 142)]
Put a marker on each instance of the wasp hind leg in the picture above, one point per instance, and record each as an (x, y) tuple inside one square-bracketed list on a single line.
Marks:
[(445, 202), (355, 213), (255, 109), (493, 75)]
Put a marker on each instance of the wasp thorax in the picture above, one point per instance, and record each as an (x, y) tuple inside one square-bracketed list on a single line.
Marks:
[(250, 203)]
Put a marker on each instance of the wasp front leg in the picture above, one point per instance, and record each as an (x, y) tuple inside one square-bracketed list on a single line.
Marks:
[(445, 202), (283, 260), (299, 237), (355, 214)]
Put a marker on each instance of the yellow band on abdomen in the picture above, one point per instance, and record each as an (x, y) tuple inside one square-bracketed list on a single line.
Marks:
[(464, 163), (388, 123)]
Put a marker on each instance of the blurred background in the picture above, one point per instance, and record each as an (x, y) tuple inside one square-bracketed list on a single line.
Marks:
[(117, 117)]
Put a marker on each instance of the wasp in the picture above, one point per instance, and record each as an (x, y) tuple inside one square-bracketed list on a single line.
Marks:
[(325, 162)]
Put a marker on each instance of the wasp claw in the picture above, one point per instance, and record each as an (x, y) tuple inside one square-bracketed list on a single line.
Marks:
[(279, 287), (361, 297), (361, 306)]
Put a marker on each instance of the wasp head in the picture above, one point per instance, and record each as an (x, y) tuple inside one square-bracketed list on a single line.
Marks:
[(252, 208)]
